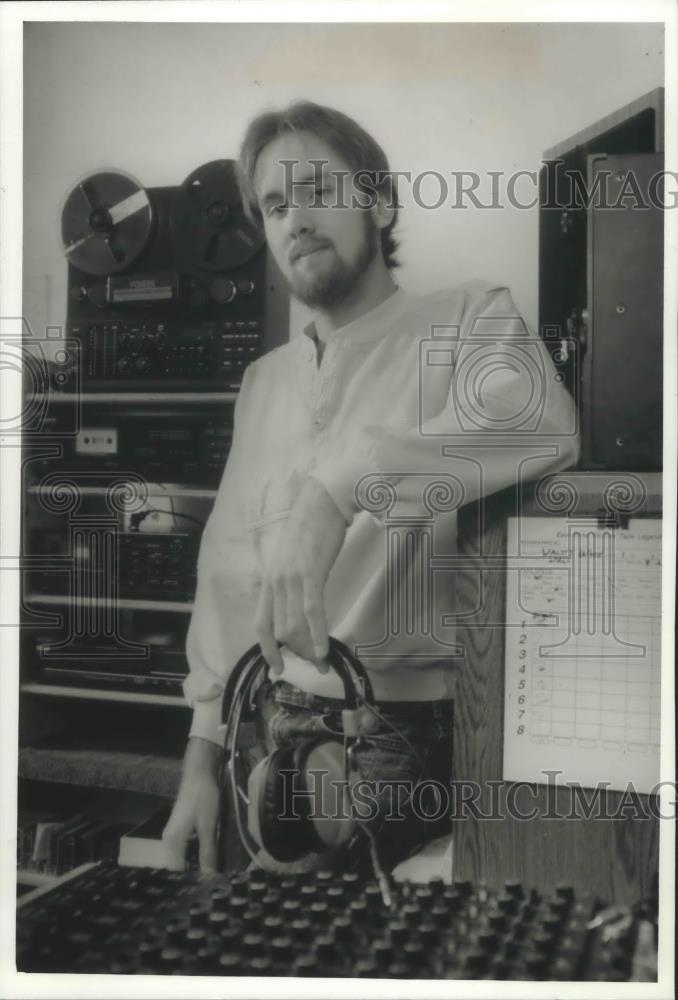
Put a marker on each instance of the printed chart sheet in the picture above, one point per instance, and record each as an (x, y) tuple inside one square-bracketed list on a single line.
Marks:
[(583, 668)]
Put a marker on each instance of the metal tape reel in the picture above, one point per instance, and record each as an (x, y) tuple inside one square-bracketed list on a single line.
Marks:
[(211, 229), (106, 222)]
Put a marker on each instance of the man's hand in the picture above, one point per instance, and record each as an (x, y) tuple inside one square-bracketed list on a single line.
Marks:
[(196, 807), (291, 609)]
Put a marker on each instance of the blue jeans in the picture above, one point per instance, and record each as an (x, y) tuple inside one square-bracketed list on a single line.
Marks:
[(413, 745)]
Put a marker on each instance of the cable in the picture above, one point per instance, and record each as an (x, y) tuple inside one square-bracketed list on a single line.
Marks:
[(170, 497)]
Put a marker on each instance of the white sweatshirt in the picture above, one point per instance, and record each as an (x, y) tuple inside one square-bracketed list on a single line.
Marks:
[(418, 406)]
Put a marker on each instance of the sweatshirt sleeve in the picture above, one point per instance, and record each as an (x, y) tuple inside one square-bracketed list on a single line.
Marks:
[(220, 629), (504, 417)]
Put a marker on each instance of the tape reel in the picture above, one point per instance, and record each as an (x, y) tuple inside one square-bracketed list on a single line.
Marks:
[(211, 227), (106, 222)]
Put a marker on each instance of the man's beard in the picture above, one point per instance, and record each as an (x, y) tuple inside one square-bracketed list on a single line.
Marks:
[(324, 291)]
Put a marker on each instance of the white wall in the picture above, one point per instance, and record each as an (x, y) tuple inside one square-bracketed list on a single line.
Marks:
[(159, 100)]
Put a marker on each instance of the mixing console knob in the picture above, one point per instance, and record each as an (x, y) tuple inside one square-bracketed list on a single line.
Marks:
[(428, 932), (565, 892), (229, 963), (238, 905), (258, 888), (342, 928), (336, 896), (537, 965), (124, 964), (252, 917), (149, 951), (552, 923), (197, 916), (440, 915), (423, 895), (301, 929), (372, 896), (367, 968), (273, 924), (218, 920), (358, 911), (142, 364), (477, 962), (281, 948), (398, 931), (288, 888), (261, 965), (437, 886), (414, 953), (487, 939), (543, 942), (562, 969), (320, 913), (382, 950), (501, 969), (325, 947), (452, 898), (207, 960), (174, 932), (171, 959), (122, 364), (253, 944), (397, 970), (230, 937), (498, 922), (271, 901), (196, 938), (507, 902), (219, 898), (306, 965), (350, 880)]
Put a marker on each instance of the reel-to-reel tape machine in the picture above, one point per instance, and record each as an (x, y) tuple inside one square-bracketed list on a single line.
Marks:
[(166, 285)]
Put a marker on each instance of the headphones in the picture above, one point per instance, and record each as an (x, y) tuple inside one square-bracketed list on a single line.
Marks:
[(298, 798)]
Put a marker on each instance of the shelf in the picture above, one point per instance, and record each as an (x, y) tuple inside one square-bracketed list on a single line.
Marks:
[(134, 772), (56, 600), (162, 490), (103, 694), (138, 397)]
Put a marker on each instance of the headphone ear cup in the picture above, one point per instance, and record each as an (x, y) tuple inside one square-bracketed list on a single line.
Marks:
[(333, 824), (270, 804), (304, 804), (275, 799)]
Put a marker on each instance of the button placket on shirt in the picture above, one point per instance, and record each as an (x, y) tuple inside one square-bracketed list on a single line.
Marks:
[(323, 385)]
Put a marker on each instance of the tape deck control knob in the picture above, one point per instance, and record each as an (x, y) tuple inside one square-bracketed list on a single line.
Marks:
[(222, 290)]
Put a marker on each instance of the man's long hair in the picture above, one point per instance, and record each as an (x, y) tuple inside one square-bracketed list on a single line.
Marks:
[(356, 146)]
